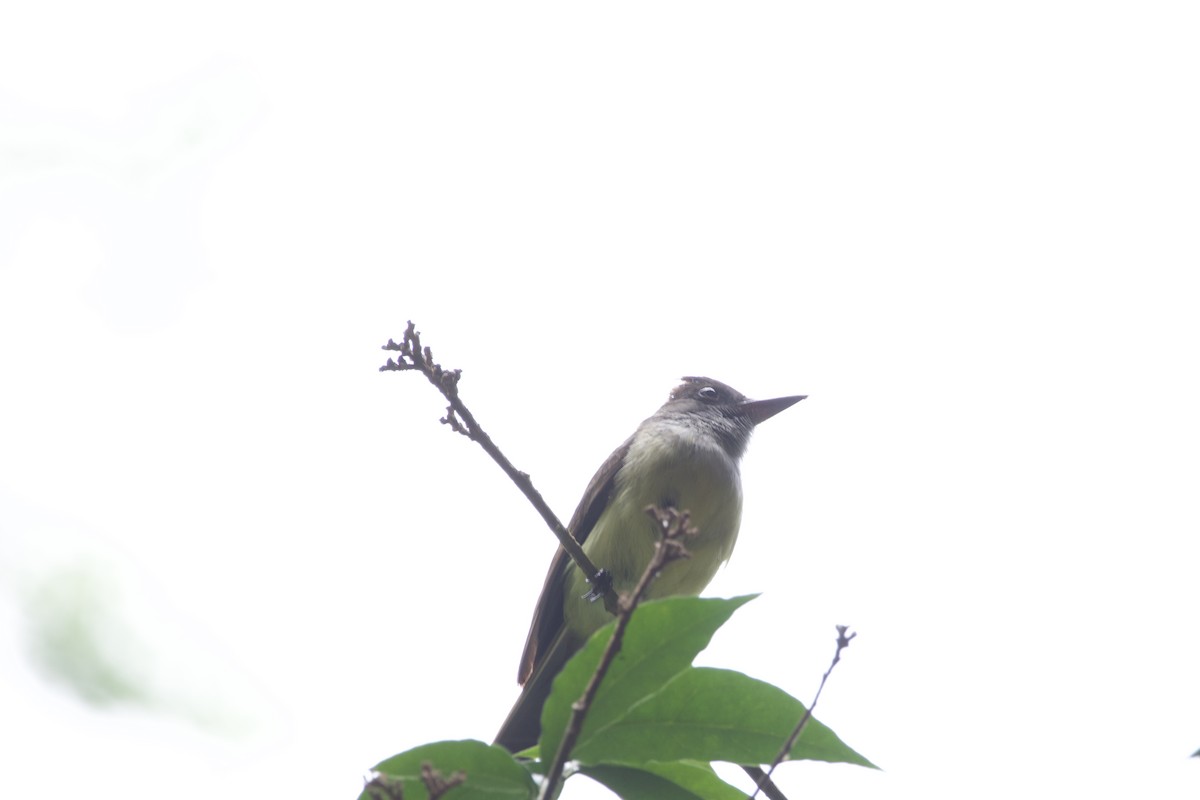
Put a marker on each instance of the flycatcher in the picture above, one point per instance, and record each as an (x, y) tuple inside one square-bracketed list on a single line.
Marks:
[(685, 456)]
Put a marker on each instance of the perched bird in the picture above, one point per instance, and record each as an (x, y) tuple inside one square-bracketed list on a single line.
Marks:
[(684, 456)]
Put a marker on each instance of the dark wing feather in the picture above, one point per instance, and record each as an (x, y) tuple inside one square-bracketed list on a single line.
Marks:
[(548, 615)]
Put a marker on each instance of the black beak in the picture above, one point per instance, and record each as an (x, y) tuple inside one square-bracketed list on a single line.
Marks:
[(763, 410)]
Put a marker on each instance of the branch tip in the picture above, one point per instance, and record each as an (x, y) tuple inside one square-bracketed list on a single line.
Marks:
[(843, 641), (415, 356)]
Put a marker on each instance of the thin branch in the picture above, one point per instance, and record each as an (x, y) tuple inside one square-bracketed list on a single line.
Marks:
[(764, 783), (843, 641), (459, 418), (673, 527)]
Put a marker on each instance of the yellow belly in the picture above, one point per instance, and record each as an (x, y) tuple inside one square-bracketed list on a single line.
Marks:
[(671, 467)]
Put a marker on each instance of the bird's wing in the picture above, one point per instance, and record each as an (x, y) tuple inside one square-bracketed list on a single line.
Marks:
[(548, 615)]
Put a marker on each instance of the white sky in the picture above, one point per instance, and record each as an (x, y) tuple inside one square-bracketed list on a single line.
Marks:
[(969, 233)]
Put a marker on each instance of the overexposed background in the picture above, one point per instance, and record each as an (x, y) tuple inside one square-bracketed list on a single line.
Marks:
[(237, 561)]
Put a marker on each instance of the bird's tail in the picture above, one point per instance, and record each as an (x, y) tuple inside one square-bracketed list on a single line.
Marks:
[(523, 726)]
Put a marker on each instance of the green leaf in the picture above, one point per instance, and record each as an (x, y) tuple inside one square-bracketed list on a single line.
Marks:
[(491, 772), (662, 639), (678, 780), (711, 715)]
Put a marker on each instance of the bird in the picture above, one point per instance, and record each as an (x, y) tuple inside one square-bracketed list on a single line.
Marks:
[(684, 456)]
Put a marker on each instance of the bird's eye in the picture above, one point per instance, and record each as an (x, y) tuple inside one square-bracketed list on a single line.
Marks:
[(707, 393)]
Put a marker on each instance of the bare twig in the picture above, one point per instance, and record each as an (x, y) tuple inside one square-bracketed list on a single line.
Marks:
[(843, 641), (415, 357), (764, 783), (673, 527)]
